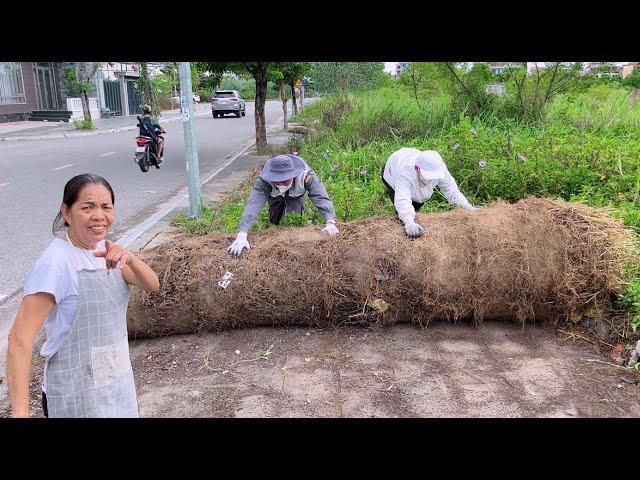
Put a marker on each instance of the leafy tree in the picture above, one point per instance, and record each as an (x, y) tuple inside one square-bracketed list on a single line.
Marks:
[(425, 78), (534, 91), (285, 75), (212, 73), (277, 77), (481, 73), (78, 82), (262, 73), (508, 72), (209, 81), (145, 86), (469, 89), (259, 72)]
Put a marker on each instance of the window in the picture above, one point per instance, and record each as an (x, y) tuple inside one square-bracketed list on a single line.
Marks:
[(225, 94), (11, 84)]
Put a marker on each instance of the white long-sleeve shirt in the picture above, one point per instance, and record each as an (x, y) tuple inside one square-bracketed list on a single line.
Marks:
[(400, 174)]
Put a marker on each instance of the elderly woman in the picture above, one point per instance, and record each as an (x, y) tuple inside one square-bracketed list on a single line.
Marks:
[(283, 182), (79, 289)]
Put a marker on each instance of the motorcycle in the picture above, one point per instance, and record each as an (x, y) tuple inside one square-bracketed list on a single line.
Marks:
[(147, 147)]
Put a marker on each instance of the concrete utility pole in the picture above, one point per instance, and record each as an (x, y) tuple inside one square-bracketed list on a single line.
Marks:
[(191, 149), (301, 96)]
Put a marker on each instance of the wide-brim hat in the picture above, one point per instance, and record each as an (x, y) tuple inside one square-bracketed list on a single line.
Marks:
[(431, 165), (282, 167)]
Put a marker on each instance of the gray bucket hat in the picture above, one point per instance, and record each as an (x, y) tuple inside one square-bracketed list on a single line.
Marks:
[(282, 167)]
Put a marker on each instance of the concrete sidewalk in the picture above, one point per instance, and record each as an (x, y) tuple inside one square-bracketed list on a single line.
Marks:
[(27, 130), (401, 371)]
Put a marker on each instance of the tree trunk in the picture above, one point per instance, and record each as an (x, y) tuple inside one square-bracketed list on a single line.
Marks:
[(293, 98), (261, 96), (85, 105), (283, 99), (147, 92)]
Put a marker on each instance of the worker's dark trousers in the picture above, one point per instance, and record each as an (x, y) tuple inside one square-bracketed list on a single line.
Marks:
[(391, 192), (278, 207)]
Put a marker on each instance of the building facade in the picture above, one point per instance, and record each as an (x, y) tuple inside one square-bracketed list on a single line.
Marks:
[(117, 88), (400, 68), (29, 89), (36, 91)]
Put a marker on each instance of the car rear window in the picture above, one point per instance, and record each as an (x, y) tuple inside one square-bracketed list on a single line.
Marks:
[(225, 94)]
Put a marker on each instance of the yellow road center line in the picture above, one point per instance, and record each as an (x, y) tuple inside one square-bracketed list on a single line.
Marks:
[(4, 184), (107, 154), (64, 166)]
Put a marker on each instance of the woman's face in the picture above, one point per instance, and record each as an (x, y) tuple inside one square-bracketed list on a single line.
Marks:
[(91, 216)]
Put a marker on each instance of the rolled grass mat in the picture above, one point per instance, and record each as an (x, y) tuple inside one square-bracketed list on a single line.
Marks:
[(536, 259)]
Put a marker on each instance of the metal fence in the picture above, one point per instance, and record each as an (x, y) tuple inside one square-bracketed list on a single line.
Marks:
[(112, 97), (135, 98)]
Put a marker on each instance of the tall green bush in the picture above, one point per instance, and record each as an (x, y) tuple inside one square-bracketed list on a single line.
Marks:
[(346, 76), (246, 87)]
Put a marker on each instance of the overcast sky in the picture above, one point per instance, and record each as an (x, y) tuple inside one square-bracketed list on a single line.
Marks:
[(391, 66)]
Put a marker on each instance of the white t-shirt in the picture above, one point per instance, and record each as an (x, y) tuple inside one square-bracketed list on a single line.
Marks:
[(56, 272)]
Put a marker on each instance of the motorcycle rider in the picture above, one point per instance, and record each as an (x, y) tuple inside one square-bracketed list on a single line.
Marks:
[(152, 127)]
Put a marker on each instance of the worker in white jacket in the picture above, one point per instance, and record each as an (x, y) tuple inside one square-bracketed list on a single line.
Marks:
[(410, 176)]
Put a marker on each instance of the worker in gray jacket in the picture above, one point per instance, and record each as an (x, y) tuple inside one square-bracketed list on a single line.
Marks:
[(282, 183)]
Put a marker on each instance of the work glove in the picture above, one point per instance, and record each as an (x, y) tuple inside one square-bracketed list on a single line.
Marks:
[(331, 229), (413, 229), (239, 245)]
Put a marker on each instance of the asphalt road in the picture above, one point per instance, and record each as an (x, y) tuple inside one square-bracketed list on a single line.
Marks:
[(33, 175)]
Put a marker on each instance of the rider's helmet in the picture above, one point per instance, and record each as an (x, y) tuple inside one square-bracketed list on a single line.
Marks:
[(146, 108)]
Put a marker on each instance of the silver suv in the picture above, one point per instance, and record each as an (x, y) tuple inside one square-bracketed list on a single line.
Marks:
[(227, 101)]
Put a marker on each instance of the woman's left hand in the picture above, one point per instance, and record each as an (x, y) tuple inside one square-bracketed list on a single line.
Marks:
[(114, 254)]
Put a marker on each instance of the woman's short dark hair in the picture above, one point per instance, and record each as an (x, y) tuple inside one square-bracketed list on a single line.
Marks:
[(72, 190)]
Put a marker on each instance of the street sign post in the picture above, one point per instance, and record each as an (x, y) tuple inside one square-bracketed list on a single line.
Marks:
[(300, 87), (191, 148)]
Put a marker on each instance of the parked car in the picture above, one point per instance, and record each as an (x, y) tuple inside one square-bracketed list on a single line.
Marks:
[(227, 101), (196, 98)]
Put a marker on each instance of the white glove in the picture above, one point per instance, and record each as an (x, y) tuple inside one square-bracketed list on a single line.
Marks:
[(331, 229), (240, 244), (413, 229)]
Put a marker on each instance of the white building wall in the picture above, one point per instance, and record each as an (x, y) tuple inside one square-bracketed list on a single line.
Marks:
[(74, 105)]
